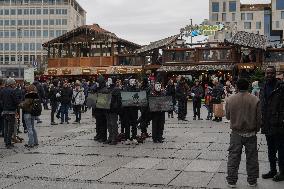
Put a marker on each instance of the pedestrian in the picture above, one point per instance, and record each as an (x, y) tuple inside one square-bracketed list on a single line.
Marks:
[(217, 94), (255, 89), (274, 136), (1, 110), (197, 94), (53, 91), (208, 102), (244, 112), (10, 102), (78, 99), (182, 94), (27, 106), (171, 91), (65, 100)]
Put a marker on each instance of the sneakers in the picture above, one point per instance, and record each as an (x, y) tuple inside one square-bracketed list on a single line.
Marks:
[(278, 178), (269, 175), (231, 185), (252, 184), (127, 142), (135, 142)]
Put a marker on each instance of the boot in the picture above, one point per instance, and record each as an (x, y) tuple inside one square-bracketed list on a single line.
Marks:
[(278, 178), (269, 175)]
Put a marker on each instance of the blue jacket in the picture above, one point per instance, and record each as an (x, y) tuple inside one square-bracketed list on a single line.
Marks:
[(10, 99)]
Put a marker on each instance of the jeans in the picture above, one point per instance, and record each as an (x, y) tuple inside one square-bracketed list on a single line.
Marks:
[(196, 107), (9, 124), (235, 152), (64, 112), (77, 111), (32, 134)]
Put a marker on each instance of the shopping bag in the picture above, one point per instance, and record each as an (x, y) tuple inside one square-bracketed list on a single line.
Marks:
[(218, 110)]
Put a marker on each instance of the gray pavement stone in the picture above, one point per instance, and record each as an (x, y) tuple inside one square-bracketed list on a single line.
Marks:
[(213, 155), (172, 164), (6, 168), (143, 163), (186, 154), (124, 175), (114, 162), (5, 182), (92, 173), (192, 179), (203, 166), (196, 146)]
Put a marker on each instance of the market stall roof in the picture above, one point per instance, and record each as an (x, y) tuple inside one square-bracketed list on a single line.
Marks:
[(250, 40), (158, 44), (226, 67), (89, 30)]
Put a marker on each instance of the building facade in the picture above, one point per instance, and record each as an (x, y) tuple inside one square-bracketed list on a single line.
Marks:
[(26, 24), (263, 19)]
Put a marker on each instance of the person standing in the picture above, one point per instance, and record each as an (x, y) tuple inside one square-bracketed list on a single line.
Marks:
[(196, 93), (65, 100), (78, 99), (244, 112), (53, 91), (10, 102), (217, 93), (181, 94), (1, 109), (26, 105), (171, 91), (274, 137)]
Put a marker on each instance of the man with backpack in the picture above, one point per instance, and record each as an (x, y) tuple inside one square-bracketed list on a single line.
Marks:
[(272, 102)]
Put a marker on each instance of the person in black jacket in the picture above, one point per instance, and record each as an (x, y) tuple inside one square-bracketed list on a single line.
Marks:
[(171, 91), (10, 102), (65, 100), (53, 91), (275, 140), (181, 94), (1, 110)]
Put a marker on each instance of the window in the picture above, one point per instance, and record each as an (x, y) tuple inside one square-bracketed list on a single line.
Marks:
[(26, 22), (1, 22), (7, 46), (20, 22), (13, 46), (32, 33), (224, 6), (13, 57), (32, 46), (247, 25), (26, 58), (26, 33), (45, 11), (279, 5), (20, 11), (58, 33), (215, 7), (64, 31), (32, 22), (45, 22), (6, 11), (58, 21), (215, 17), (13, 11), (1, 49), (1, 12), (64, 21), (277, 23), (45, 33), (51, 11), (20, 46), (26, 11), (26, 46), (51, 22), (224, 17), (51, 33), (13, 22), (38, 11), (258, 25), (6, 33), (13, 33), (249, 16), (58, 11), (233, 16), (232, 6), (32, 11), (64, 11), (38, 46), (38, 22), (38, 33), (282, 14), (243, 16), (7, 22)]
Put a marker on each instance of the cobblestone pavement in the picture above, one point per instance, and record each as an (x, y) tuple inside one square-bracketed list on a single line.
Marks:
[(193, 156)]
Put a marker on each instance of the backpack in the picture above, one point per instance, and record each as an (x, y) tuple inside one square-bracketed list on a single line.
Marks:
[(36, 108)]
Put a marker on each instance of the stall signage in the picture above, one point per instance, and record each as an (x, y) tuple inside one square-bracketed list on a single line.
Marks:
[(205, 30)]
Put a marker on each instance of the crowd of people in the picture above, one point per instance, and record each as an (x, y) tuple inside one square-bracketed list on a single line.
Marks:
[(247, 112)]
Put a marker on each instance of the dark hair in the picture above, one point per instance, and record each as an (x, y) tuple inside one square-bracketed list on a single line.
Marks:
[(271, 67), (243, 84)]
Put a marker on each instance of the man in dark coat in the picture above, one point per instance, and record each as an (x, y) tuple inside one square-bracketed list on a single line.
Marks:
[(1, 110), (53, 91), (65, 100), (196, 93), (181, 94), (275, 140)]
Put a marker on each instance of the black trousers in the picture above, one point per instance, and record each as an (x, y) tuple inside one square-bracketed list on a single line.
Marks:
[(158, 125), (53, 110), (77, 111), (235, 152), (196, 107), (275, 143), (182, 109), (9, 123), (1, 125), (112, 126), (101, 125), (144, 120)]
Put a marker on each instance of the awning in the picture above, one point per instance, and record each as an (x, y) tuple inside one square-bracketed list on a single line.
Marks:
[(227, 67)]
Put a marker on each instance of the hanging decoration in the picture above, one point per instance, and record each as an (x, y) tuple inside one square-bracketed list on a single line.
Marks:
[(195, 68)]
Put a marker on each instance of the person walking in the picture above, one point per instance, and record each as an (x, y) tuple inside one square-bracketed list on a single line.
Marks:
[(217, 93), (181, 94), (1, 110), (78, 99), (27, 105), (274, 136), (171, 91), (65, 100), (244, 125), (53, 91), (10, 102), (196, 93)]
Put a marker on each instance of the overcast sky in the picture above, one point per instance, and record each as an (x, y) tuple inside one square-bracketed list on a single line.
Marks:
[(144, 21)]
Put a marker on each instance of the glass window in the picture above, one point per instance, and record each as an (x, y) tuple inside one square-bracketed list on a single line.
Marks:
[(51, 22), (224, 6), (64, 31), (20, 11), (232, 6), (38, 22), (58, 21), (58, 33), (64, 21), (224, 17), (20, 22), (26, 57), (13, 22), (243, 16), (247, 25), (7, 46), (45, 22), (38, 11), (282, 14), (279, 5), (26, 33), (215, 7), (26, 11), (7, 22), (215, 17), (1, 34), (32, 33), (64, 11), (249, 16), (277, 23), (6, 11), (51, 33), (13, 46), (1, 48), (45, 33), (258, 25), (13, 33), (19, 46), (13, 11), (38, 46), (26, 46), (38, 33), (32, 11), (6, 33), (32, 46), (51, 11), (1, 22), (58, 11), (1, 11), (32, 22), (45, 11), (13, 57), (26, 22), (233, 16)]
